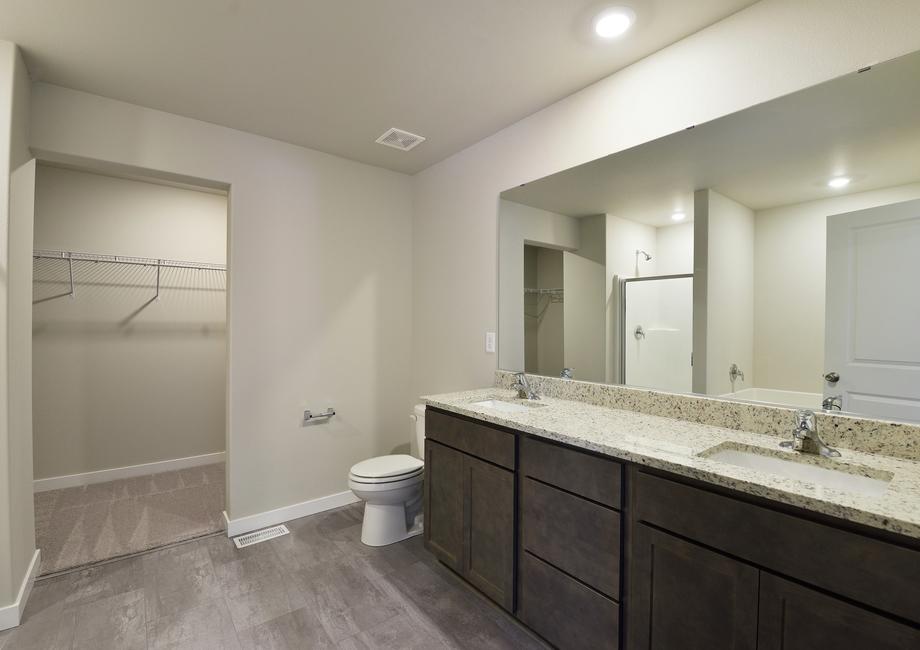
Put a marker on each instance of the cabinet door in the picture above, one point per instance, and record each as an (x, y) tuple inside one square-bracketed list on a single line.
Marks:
[(685, 596), (793, 617), (489, 523), (444, 502)]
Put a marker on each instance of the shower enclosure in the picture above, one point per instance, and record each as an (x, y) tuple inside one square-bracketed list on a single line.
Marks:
[(656, 339)]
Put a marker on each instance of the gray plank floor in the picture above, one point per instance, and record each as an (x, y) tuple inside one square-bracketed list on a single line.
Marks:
[(318, 587)]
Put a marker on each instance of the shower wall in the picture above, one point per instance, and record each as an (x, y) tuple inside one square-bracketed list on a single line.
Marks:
[(120, 380)]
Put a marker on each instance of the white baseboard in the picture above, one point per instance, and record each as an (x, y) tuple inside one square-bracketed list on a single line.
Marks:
[(280, 515), (11, 615), (103, 475)]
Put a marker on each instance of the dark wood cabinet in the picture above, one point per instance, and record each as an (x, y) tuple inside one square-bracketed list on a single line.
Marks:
[(444, 503), (685, 596), (470, 504), (793, 617), (590, 552), (570, 546), (564, 611), (489, 527), (573, 534)]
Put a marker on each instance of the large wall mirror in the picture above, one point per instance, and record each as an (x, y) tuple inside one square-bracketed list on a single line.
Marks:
[(770, 256)]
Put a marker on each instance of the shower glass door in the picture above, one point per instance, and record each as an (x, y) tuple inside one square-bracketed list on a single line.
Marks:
[(657, 337)]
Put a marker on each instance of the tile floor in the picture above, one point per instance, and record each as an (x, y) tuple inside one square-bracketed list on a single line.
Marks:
[(81, 525), (318, 587)]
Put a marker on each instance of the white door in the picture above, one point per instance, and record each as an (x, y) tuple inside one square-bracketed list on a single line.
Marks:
[(584, 317), (872, 326)]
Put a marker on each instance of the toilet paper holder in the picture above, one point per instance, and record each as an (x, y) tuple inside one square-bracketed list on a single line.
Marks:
[(309, 416)]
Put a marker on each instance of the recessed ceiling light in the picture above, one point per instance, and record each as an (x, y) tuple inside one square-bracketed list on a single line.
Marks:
[(679, 216), (614, 22), (839, 181)]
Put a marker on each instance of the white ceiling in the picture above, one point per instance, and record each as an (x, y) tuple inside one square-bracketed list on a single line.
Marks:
[(866, 126), (334, 75)]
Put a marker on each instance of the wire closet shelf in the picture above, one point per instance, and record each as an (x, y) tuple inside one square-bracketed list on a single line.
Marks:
[(124, 259), (71, 256)]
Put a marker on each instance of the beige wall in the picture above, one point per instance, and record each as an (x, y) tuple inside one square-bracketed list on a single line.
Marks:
[(728, 237), (770, 49), (319, 288), (17, 530), (117, 380), (789, 283)]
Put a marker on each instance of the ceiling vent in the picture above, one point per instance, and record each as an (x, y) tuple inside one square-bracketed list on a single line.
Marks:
[(399, 139)]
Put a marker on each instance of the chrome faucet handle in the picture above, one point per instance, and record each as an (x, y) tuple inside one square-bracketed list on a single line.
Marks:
[(804, 422), (735, 373)]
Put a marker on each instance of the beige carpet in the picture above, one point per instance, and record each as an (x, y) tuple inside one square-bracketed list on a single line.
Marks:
[(82, 525)]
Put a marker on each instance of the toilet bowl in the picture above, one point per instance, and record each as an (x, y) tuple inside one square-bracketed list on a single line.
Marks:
[(391, 488)]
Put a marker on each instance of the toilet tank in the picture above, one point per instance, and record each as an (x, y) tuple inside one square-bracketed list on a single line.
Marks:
[(419, 416)]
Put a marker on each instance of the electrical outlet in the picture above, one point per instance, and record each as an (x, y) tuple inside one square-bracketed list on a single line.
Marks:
[(490, 342)]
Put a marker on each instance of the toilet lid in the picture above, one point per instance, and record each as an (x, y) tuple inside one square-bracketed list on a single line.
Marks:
[(387, 466)]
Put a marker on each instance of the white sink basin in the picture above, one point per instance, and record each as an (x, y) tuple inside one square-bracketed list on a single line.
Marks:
[(505, 407), (816, 470)]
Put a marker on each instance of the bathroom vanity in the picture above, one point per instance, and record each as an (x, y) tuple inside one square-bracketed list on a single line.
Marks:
[(605, 528)]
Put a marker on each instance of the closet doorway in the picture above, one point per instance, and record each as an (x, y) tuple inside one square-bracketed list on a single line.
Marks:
[(129, 359)]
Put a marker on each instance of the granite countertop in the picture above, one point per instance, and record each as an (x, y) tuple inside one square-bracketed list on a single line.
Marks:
[(675, 446)]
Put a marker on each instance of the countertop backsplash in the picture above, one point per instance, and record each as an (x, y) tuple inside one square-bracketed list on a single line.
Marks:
[(895, 439)]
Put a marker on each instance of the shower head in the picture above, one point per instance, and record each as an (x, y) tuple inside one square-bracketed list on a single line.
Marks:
[(640, 252)]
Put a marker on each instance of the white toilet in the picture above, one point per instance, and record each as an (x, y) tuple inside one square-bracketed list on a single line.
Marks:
[(391, 487)]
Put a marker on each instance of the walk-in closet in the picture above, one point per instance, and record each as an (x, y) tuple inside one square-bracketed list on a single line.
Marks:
[(129, 364)]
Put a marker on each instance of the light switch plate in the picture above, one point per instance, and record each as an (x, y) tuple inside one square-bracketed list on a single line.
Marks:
[(490, 342)]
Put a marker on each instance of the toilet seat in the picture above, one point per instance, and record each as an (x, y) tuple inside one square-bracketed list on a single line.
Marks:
[(385, 481), (386, 469)]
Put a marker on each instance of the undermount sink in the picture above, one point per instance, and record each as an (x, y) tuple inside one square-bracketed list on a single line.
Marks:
[(505, 406), (816, 470)]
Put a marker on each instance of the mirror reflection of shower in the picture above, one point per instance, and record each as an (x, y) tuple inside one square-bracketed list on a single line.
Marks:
[(657, 337), (642, 253)]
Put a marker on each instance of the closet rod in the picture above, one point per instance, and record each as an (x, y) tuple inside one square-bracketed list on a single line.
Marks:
[(122, 259)]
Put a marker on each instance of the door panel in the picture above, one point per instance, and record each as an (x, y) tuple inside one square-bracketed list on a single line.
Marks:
[(584, 317), (685, 596), (872, 339), (489, 522), (444, 488), (793, 617)]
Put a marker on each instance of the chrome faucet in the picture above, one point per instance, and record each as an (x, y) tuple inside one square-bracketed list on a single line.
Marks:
[(523, 387), (805, 436), (567, 373)]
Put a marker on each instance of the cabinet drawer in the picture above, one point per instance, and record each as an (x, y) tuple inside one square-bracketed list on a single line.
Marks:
[(589, 476), (880, 574), (476, 439), (565, 612), (573, 534)]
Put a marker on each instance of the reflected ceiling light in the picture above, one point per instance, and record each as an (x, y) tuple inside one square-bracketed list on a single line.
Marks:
[(679, 216), (614, 22), (839, 181)]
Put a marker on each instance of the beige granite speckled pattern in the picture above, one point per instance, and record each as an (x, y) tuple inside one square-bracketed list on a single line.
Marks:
[(862, 434), (675, 445)]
